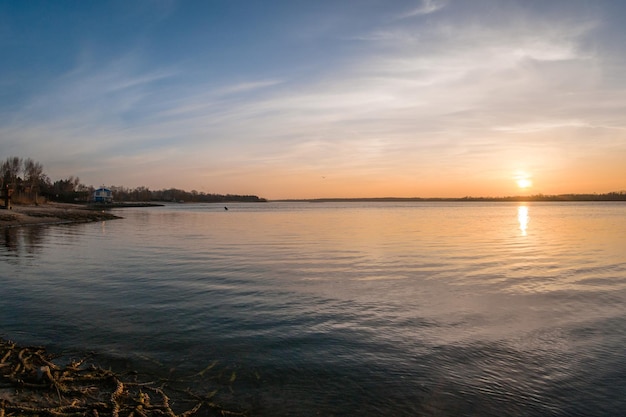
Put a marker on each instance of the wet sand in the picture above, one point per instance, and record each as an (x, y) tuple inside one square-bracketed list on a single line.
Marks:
[(51, 213)]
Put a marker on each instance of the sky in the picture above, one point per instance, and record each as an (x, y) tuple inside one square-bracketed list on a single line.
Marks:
[(324, 98)]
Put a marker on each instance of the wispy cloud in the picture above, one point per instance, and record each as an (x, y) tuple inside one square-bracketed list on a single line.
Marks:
[(425, 7), (406, 100), (538, 126), (247, 86)]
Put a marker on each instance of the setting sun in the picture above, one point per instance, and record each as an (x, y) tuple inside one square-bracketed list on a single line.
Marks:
[(523, 180), (524, 183)]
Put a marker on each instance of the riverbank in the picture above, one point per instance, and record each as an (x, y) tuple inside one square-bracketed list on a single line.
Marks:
[(51, 213)]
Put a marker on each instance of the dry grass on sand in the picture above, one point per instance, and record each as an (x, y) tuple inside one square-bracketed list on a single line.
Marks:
[(51, 213)]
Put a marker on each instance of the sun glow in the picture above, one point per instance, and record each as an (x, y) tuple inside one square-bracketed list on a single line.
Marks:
[(524, 183), (523, 180)]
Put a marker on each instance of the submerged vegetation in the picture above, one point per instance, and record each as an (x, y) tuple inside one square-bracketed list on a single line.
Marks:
[(34, 383)]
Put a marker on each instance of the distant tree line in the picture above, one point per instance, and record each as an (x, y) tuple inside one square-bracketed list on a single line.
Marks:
[(612, 196), (141, 194), (26, 181)]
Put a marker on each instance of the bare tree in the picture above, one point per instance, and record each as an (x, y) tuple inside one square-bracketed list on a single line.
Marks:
[(10, 169), (33, 172)]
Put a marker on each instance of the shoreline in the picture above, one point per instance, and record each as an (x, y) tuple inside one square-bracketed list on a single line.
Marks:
[(50, 214)]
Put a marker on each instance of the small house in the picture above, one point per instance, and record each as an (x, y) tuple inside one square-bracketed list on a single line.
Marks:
[(102, 195)]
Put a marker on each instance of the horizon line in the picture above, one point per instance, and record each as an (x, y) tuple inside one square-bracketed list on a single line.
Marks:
[(621, 196)]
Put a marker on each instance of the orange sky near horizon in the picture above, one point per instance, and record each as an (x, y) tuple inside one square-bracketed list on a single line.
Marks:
[(587, 177)]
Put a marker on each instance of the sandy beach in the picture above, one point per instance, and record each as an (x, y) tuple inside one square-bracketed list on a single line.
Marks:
[(51, 213)]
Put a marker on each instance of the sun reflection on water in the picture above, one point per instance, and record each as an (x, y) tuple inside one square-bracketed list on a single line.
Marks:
[(522, 218)]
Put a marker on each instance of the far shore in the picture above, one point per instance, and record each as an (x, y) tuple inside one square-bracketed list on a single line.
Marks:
[(51, 213)]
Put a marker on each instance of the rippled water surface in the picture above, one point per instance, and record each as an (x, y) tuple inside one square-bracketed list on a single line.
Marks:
[(403, 309)]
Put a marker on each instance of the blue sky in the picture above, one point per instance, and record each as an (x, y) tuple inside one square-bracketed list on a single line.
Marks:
[(302, 99)]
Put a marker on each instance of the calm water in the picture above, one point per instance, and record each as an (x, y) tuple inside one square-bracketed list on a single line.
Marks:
[(434, 309)]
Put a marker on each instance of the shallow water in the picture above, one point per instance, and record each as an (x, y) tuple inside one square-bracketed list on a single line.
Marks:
[(446, 309)]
